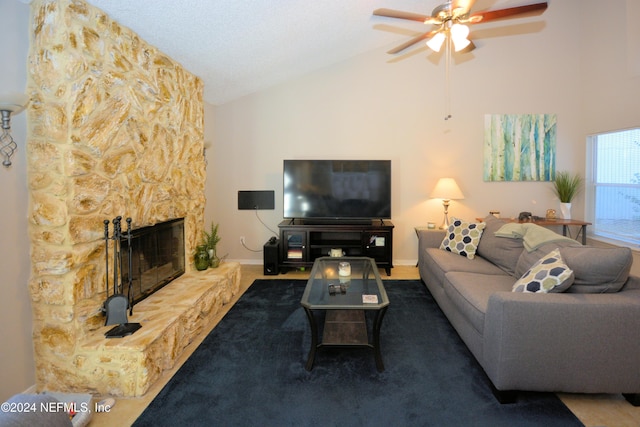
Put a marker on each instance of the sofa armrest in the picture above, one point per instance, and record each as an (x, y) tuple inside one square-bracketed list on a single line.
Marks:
[(633, 283), (584, 343), (429, 238)]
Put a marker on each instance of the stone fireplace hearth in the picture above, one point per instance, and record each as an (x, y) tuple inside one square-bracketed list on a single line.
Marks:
[(115, 127), (171, 318)]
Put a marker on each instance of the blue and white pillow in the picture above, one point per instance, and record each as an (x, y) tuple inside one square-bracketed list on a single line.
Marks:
[(462, 238), (548, 274)]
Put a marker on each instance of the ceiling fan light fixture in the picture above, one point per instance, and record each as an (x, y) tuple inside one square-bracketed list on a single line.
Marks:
[(459, 35), (435, 42)]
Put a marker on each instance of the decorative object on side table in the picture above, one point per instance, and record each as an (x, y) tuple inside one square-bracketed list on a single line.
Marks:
[(566, 186), (446, 189)]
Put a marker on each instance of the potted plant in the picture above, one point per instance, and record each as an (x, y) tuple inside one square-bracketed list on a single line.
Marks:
[(566, 186), (210, 240)]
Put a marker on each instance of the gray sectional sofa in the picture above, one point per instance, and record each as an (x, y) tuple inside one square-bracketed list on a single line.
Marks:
[(585, 339)]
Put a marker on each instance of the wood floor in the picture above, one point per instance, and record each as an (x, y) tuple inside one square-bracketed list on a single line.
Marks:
[(592, 410)]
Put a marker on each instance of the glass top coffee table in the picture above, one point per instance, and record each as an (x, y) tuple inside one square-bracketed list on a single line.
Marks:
[(343, 290)]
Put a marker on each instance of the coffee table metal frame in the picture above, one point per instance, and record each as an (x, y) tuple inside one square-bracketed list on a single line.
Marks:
[(364, 280)]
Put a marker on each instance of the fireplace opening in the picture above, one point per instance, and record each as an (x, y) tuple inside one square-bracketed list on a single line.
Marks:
[(157, 254)]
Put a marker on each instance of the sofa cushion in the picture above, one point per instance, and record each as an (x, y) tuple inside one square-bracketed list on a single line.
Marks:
[(442, 262), (548, 274), (598, 270), (527, 259), (501, 251), (470, 292), (462, 237)]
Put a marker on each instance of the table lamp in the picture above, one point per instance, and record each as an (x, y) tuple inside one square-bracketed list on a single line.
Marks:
[(446, 189)]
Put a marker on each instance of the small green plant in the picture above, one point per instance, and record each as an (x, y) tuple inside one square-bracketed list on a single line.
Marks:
[(567, 186), (210, 240)]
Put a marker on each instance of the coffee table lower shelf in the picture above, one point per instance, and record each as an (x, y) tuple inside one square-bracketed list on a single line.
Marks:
[(345, 328)]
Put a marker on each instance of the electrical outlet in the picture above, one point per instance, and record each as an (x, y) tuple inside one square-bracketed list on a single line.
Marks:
[(242, 239)]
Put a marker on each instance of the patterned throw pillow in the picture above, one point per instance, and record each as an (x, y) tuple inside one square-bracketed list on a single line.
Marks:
[(462, 238), (549, 274)]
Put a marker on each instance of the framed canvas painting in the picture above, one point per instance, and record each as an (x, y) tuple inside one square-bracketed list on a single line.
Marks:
[(519, 147)]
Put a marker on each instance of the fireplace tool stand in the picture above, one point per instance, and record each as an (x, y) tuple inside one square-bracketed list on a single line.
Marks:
[(116, 306)]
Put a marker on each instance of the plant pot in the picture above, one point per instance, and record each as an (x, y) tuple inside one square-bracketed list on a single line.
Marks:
[(565, 209)]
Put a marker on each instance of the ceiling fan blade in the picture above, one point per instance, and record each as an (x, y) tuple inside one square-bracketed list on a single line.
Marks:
[(390, 13), (411, 42), (494, 15)]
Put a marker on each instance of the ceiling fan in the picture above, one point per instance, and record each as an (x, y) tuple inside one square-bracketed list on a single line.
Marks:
[(452, 19)]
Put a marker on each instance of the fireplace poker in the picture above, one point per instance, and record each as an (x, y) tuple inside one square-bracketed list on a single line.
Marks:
[(115, 256), (106, 258)]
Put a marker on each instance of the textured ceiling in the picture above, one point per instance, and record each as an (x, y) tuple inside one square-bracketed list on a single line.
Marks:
[(242, 46)]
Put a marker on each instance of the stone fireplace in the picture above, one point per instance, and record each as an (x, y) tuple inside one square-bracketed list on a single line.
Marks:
[(115, 127)]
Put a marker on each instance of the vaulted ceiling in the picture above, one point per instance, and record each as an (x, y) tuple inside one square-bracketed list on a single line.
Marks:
[(242, 46)]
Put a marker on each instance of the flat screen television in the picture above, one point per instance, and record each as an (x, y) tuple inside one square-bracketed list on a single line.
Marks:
[(337, 189)]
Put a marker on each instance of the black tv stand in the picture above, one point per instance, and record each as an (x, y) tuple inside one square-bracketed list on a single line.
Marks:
[(301, 241), (332, 221)]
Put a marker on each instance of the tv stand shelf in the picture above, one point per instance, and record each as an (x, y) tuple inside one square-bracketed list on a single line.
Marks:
[(301, 242)]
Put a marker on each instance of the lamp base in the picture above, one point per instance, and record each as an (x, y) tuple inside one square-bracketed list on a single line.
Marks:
[(445, 222)]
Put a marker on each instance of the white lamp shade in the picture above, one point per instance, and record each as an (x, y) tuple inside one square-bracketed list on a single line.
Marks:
[(458, 45), (459, 31), (14, 102), (447, 189), (435, 42), (459, 35)]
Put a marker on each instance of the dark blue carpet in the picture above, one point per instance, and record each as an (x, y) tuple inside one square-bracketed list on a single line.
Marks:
[(250, 371)]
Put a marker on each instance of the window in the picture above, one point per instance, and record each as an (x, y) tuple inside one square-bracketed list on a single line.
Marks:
[(613, 186)]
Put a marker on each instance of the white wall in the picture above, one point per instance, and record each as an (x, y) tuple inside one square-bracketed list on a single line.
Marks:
[(610, 65), (376, 107), (16, 349)]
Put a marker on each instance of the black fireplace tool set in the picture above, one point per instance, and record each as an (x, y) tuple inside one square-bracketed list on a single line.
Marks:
[(116, 306)]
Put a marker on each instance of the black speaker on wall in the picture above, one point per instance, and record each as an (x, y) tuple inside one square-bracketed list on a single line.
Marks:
[(271, 253)]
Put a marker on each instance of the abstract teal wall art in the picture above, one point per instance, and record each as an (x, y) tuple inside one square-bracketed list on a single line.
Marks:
[(519, 147)]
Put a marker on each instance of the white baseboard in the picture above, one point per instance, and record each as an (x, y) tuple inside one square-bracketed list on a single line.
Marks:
[(247, 261), (410, 262)]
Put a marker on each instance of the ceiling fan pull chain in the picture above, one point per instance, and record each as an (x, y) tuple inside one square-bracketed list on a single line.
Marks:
[(447, 63)]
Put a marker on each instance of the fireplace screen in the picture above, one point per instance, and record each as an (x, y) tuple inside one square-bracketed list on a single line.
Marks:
[(157, 257)]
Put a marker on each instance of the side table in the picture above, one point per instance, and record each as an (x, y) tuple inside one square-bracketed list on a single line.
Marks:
[(565, 223)]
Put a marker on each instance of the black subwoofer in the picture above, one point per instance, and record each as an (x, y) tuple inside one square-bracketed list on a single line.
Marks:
[(270, 252)]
